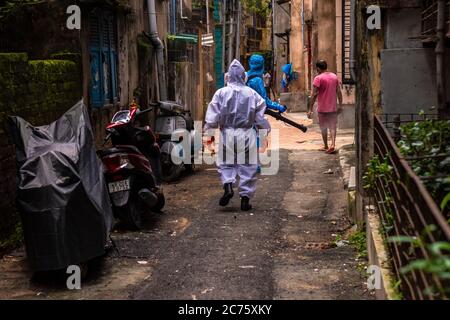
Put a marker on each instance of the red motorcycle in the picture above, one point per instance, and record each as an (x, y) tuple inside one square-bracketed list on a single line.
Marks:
[(133, 168)]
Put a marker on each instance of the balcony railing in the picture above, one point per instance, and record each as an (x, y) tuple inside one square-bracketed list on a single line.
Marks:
[(407, 207)]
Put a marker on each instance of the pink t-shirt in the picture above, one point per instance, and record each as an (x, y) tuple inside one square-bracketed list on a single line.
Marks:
[(327, 83)]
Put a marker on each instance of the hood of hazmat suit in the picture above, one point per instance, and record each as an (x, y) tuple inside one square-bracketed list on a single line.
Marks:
[(256, 63)]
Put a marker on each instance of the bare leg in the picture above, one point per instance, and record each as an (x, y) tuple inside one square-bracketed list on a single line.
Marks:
[(333, 132), (325, 137)]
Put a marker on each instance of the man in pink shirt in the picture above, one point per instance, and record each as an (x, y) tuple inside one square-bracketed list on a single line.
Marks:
[(327, 91)]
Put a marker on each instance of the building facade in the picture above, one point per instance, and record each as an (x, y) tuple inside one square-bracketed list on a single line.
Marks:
[(309, 31), (109, 62)]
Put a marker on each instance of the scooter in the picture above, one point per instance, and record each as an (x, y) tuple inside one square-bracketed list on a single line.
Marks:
[(172, 125), (133, 171)]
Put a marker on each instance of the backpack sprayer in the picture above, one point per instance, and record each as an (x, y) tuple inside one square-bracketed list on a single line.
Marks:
[(280, 117), (275, 114)]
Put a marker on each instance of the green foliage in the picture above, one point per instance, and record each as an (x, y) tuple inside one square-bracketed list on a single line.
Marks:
[(358, 240), (438, 262), (396, 286), (12, 57), (445, 202), (258, 7), (201, 4), (337, 238), (428, 143), (14, 240), (377, 169), (381, 172), (14, 7)]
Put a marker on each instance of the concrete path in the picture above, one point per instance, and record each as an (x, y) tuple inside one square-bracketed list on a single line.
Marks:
[(283, 249)]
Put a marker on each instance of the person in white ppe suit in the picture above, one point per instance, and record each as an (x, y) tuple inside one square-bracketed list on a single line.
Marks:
[(236, 110)]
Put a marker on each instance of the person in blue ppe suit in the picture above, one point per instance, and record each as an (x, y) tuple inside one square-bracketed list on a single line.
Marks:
[(236, 110), (256, 81), (287, 75)]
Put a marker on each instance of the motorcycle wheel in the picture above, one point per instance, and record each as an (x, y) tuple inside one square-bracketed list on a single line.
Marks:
[(190, 168), (171, 172), (161, 202), (131, 215)]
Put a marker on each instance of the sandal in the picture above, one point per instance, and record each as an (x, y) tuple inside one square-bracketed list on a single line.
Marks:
[(331, 151), (324, 149)]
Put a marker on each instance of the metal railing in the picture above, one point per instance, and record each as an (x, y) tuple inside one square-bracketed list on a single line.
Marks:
[(404, 204)]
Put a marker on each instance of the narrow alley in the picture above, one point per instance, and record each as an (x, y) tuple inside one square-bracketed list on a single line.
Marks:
[(285, 248), (106, 104)]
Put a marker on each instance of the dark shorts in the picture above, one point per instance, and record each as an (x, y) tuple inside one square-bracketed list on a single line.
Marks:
[(328, 120)]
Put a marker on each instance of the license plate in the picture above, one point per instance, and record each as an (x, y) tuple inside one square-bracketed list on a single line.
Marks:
[(119, 186)]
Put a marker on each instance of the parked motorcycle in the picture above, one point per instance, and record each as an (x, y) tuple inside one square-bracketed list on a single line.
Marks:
[(61, 193), (172, 125), (133, 169)]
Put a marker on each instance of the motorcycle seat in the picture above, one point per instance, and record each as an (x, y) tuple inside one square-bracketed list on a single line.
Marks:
[(119, 149)]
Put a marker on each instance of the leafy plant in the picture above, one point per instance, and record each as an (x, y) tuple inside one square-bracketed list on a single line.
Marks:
[(445, 202), (258, 7), (425, 143), (438, 263), (14, 240), (337, 239), (12, 7), (380, 171), (358, 240), (396, 286)]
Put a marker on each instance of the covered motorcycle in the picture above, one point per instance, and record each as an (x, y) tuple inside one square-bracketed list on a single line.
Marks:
[(62, 196)]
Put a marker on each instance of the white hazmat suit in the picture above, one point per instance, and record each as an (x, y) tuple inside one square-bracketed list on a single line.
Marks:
[(236, 110)]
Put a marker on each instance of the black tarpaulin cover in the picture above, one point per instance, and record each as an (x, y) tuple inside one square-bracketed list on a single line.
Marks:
[(62, 196)]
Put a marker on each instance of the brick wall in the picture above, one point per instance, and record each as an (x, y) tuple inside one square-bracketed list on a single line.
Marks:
[(40, 91)]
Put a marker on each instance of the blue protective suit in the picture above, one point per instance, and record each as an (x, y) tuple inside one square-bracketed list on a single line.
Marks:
[(287, 70), (256, 82), (236, 110)]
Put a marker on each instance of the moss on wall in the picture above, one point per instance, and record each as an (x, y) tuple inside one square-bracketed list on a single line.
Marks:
[(39, 91)]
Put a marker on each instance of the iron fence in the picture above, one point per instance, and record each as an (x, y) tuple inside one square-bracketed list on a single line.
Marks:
[(407, 210)]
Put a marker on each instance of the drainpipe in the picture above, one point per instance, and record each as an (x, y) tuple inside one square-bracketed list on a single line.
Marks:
[(309, 57), (182, 12), (173, 16), (352, 39), (273, 40), (230, 41), (207, 16), (238, 31), (303, 23), (224, 36), (159, 47), (440, 59)]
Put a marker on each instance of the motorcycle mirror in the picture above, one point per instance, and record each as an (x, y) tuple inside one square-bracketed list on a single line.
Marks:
[(140, 112)]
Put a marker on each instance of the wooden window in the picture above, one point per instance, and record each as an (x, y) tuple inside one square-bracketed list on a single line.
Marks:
[(103, 58)]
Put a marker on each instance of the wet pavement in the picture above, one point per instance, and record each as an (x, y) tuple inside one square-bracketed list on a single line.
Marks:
[(282, 249)]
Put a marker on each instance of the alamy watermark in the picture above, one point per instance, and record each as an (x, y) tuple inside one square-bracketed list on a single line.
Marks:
[(374, 19), (74, 280), (374, 280), (233, 147), (74, 19)]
